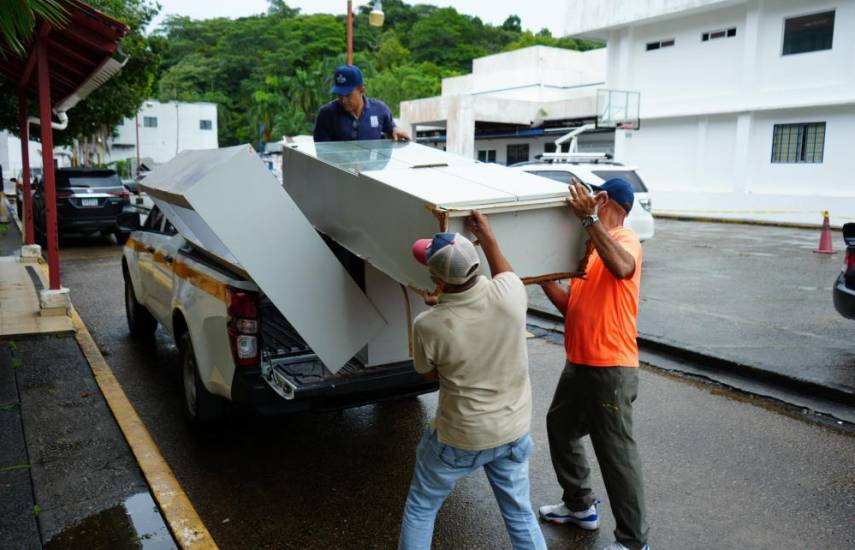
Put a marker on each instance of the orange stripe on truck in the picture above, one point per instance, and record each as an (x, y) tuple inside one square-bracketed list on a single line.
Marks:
[(196, 278)]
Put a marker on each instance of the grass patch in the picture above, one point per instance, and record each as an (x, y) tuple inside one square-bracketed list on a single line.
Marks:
[(15, 468), (16, 363), (8, 406), (37, 510)]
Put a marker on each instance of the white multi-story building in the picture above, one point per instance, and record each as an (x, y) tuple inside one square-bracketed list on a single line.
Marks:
[(747, 106), (513, 105), (166, 129)]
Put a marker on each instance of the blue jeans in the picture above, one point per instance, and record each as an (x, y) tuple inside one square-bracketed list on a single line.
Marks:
[(439, 467)]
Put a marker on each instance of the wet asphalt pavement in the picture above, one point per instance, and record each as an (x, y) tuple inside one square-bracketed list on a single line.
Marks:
[(722, 470), (755, 295)]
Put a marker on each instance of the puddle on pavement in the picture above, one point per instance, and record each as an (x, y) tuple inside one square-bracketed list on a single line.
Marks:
[(136, 524)]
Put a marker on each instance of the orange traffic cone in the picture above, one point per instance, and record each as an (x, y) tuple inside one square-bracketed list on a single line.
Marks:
[(825, 236)]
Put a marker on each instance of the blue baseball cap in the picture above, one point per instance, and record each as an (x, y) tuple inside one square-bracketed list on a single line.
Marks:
[(619, 191), (345, 79)]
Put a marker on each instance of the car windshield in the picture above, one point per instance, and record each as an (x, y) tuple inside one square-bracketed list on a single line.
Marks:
[(97, 179), (629, 175)]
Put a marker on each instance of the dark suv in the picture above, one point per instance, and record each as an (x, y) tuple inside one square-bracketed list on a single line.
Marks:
[(844, 287), (88, 200)]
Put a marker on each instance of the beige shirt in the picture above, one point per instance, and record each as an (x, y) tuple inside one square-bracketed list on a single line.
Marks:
[(475, 340)]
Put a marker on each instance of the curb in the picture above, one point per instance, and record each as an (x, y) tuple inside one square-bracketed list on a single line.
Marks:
[(184, 523), (718, 364)]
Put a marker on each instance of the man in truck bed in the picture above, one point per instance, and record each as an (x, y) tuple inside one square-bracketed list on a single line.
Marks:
[(474, 342)]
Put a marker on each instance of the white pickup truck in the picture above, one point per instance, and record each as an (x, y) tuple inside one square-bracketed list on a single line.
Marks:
[(235, 345)]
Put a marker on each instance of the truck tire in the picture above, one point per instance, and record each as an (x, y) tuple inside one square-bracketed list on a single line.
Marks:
[(200, 405), (140, 322)]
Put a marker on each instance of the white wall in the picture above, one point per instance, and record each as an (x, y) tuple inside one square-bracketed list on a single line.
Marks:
[(692, 167), (708, 108), (745, 72), (10, 154), (177, 130), (538, 73)]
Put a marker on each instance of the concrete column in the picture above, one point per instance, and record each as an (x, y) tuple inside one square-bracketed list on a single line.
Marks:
[(700, 153), (460, 128), (741, 169)]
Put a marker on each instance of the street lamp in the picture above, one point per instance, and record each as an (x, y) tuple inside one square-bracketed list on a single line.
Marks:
[(375, 19), (376, 16)]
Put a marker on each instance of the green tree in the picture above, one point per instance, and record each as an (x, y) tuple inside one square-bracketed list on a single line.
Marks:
[(120, 96), (391, 52), (406, 82), (19, 20), (512, 24), (446, 38)]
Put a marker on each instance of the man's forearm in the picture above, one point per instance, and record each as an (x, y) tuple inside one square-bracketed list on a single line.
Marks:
[(617, 260), (497, 261), (557, 295)]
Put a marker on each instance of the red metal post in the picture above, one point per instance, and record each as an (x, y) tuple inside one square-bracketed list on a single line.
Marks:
[(25, 173), (350, 32), (47, 165)]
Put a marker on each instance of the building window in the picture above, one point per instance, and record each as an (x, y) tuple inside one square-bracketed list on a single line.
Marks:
[(723, 33), (149, 122), (660, 44), (808, 33), (517, 153), (550, 148), (487, 155), (206, 125), (798, 142)]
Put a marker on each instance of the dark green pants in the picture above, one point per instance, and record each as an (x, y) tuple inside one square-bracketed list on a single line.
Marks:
[(597, 401)]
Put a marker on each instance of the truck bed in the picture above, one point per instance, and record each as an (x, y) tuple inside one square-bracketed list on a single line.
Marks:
[(295, 368)]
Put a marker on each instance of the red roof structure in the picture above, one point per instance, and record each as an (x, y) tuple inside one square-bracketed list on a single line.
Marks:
[(62, 65)]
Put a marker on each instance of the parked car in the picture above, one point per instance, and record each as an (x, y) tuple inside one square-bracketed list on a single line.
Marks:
[(844, 287), (88, 200), (639, 220), (235, 345)]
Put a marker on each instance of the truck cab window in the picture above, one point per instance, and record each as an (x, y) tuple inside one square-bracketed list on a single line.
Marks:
[(154, 220)]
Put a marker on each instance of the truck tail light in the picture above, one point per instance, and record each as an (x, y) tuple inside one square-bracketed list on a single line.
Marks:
[(242, 309), (849, 262), (63, 194)]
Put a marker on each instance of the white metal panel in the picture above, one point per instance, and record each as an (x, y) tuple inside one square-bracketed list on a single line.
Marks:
[(439, 187), (378, 214), (519, 184), (247, 210)]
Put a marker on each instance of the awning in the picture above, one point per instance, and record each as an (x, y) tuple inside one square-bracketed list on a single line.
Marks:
[(81, 55)]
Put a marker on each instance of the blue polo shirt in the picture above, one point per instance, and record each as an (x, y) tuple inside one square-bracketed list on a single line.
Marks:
[(336, 124)]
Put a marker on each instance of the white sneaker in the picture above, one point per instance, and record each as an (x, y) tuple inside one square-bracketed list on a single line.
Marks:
[(559, 513), (618, 546)]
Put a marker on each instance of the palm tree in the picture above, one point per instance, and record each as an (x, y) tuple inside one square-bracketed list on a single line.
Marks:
[(19, 20)]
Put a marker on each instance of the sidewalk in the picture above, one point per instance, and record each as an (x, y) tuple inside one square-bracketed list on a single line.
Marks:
[(756, 297), (67, 475)]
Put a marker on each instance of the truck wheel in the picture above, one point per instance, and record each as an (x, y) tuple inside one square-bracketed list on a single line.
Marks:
[(199, 404), (140, 322)]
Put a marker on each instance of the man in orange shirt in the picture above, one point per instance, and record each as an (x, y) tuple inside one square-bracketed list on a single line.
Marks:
[(600, 378)]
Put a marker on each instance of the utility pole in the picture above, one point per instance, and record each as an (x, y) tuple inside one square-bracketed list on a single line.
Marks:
[(350, 32)]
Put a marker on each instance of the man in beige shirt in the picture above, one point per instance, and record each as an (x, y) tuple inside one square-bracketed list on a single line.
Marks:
[(473, 341)]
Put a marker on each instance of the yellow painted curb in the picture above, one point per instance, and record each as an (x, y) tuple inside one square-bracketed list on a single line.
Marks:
[(184, 522)]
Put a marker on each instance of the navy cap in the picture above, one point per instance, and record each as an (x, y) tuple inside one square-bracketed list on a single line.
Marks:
[(619, 191), (345, 79)]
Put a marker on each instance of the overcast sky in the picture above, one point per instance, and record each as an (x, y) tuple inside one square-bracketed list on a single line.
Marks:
[(534, 14)]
